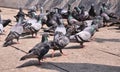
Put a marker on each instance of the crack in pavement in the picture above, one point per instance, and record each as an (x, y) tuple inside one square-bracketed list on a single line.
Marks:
[(109, 53), (19, 49)]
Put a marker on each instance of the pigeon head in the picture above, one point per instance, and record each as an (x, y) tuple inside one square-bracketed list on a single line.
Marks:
[(82, 7), (20, 9), (69, 6), (103, 4), (41, 9)]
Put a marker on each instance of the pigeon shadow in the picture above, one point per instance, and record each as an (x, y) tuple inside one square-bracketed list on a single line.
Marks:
[(29, 63), (71, 67), (50, 55), (102, 40)]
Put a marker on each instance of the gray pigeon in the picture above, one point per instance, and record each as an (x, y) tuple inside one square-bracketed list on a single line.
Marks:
[(15, 33), (71, 20), (39, 50), (80, 37), (60, 27), (60, 41), (32, 25)]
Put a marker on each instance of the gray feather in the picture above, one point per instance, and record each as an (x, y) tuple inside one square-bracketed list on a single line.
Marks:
[(38, 51), (32, 27), (60, 40), (10, 37), (29, 55)]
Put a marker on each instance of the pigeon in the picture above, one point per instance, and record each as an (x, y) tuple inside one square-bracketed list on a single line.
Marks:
[(15, 33), (60, 41), (104, 13), (80, 37), (94, 25), (38, 51), (60, 26), (57, 24), (32, 25), (92, 11), (51, 19), (71, 20), (92, 28), (82, 15), (105, 9), (43, 15), (20, 13), (31, 10)]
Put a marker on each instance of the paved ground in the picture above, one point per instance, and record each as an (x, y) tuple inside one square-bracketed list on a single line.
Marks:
[(100, 55)]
